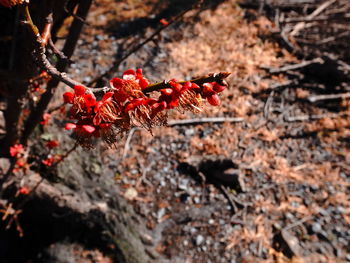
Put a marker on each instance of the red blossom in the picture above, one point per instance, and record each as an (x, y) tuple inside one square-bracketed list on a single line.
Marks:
[(23, 191), (52, 144), (164, 22), (16, 150), (46, 119), (68, 97), (20, 163), (51, 160), (70, 126), (82, 103), (48, 162), (127, 105)]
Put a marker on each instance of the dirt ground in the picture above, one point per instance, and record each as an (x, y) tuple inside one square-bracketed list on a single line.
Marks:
[(270, 186), (273, 187)]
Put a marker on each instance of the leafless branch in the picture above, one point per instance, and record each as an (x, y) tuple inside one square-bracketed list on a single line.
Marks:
[(204, 120), (317, 98)]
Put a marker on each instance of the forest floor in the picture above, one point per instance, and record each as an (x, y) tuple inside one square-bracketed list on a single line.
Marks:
[(271, 185)]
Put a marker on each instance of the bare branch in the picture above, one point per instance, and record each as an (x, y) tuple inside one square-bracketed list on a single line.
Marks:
[(204, 120), (329, 97), (215, 77)]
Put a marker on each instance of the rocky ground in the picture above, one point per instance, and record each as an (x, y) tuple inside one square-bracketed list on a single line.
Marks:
[(271, 185)]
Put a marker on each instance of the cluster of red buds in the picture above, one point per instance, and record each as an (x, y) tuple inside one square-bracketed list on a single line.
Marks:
[(128, 104)]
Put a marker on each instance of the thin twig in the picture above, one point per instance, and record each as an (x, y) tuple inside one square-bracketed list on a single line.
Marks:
[(297, 223), (294, 66), (117, 63), (204, 120), (315, 13), (57, 52), (128, 140), (313, 117), (46, 34), (316, 98), (68, 49), (40, 56)]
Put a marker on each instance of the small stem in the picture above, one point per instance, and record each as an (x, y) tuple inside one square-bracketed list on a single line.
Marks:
[(46, 34), (29, 21)]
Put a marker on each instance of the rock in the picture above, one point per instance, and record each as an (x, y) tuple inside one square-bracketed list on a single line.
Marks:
[(130, 193), (316, 228), (199, 240), (288, 244), (160, 213), (4, 164)]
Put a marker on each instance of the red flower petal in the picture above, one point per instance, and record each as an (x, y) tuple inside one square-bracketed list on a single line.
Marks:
[(79, 90), (52, 144), (16, 149), (214, 100), (139, 71), (68, 97), (143, 82), (129, 72), (164, 22), (23, 191), (218, 88), (107, 96), (130, 106), (70, 126), (166, 92), (90, 100), (116, 83), (208, 89), (88, 128)]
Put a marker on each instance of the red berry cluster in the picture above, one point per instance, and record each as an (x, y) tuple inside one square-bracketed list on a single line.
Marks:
[(128, 104)]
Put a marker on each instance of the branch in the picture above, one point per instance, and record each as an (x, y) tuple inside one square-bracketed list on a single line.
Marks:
[(293, 66), (40, 56), (214, 77), (329, 97), (46, 34), (204, 120)]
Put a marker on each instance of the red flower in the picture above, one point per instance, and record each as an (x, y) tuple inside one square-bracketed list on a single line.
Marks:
[(52, 144), (23, 191), (16, 150), (20, 163), (46, 119), (82, 103), (164, 22), (146, 112), (130, 86), (51, 160), (210, 91), (48, 162)]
